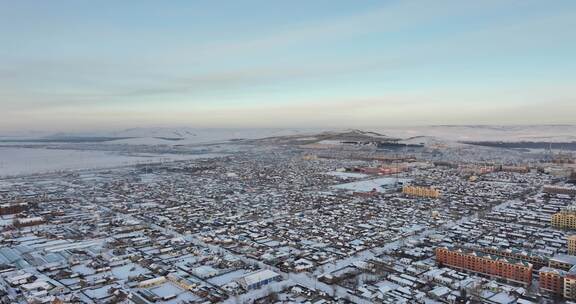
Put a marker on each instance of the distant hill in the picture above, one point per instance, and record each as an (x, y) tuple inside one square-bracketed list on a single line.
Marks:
[(407, 135), (517, 133)]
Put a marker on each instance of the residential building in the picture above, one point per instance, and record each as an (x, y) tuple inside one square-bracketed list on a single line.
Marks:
[(537, 261), (560, 190), (570, 286), (572, 244), (421, 191), (563, 262), (552, 280), (482, 263), (565, 218)]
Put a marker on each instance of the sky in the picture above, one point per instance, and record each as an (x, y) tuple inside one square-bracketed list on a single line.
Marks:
[(79, 65)]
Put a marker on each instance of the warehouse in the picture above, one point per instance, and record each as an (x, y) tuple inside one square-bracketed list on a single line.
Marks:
[(258, 279)]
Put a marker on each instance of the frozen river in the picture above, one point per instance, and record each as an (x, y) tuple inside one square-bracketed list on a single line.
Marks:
[(21, 161)]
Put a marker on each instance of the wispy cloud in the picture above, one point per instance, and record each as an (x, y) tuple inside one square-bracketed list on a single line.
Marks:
[(425, 58)]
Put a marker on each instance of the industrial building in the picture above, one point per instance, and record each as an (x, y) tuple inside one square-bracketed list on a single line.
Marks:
[(478, 262)]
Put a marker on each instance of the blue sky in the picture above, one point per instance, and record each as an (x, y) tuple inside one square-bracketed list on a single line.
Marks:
[(74, 65)]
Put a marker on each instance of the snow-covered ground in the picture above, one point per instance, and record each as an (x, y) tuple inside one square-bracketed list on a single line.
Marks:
[(380, 184), (347, 175), (18, 161)]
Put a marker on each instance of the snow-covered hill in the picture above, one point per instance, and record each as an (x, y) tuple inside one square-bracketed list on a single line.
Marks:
[(547, 133), (183, 136), (187, 135)]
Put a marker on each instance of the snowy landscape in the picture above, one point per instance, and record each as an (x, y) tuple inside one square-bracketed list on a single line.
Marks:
[(288, 152), (289, 216), (26, 154)]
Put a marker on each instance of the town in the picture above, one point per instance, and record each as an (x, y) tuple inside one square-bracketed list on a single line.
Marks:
[(343, 220)]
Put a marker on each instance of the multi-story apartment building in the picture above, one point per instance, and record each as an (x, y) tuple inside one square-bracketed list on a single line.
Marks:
[(552, 280), (421, 191), (565, 218), (572, 244), (558, 282), (517, 169), (478, 262), (570, 286), (563, 262), (537, 261), (560, 190)]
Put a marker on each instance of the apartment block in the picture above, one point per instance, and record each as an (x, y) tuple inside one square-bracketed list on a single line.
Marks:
[(421, 191), (572, 244), (565, 218), (552, 280), (478, 262)]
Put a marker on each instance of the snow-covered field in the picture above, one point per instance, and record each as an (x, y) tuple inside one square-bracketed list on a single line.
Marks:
[(380, 184), (18, 161)]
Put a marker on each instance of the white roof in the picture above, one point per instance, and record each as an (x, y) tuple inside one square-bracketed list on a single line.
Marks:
[(37, 285), (259, 276), (31, 219)]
